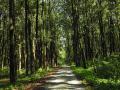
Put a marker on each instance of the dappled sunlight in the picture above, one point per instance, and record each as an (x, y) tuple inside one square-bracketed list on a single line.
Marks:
[(65, 87), (57, 75), (64, 79), (56, 81), (62, 74), (64, 71), (75, 82), (81, 88), (68, 72), (59, 44), (69, 75), (61, 71)]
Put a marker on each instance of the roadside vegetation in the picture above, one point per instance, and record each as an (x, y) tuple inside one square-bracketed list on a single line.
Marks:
[(23, 80), (105, 75)]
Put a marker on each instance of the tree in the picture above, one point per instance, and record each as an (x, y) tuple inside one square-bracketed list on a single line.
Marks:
[(12, 59)]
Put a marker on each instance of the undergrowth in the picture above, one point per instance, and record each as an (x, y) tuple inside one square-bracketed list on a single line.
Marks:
[(103, 75), (24, 80)]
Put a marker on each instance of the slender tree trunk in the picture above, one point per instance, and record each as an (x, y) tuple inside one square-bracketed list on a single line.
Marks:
[(26, 37), (102, 34), (30, 48), (20, 59), (75, 19), (38, 46), (111, 36), (111, 26)]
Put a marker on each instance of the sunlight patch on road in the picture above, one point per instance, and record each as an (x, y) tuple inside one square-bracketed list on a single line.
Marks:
[(57, 75), (62, 75), (56, 81), (69, 75), (61, 71), (64, 71), (80, 88), (68, 72), (74, 82)]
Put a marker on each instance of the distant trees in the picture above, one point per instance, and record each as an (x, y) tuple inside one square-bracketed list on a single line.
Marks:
[(94, 28)]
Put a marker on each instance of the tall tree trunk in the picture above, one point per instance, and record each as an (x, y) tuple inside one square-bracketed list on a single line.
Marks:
[(38, 46), (111, 26), (26, 37), (111, 36), (30, 48), (75, 20), (12, 59), (102, 34)]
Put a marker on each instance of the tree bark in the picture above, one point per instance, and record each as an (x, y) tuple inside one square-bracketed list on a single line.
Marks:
[(12, 59)]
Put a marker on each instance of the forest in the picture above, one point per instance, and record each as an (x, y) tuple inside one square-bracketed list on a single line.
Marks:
[(39, 38)]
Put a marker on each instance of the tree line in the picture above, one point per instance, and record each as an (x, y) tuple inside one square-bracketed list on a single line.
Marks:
[(94, 29), (28, 35)]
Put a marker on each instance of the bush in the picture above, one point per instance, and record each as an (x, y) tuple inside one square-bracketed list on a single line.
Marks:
[(103, 73)]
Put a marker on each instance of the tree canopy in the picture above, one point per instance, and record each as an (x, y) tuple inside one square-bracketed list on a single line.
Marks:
[(48, 33)]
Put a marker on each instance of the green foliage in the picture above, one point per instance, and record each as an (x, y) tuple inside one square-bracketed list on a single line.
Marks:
[(4, 72), (105, 71), (86, 74), (55, 24), (62, 56), (38, 74), (107, 75), (24, 80), (108, 68)]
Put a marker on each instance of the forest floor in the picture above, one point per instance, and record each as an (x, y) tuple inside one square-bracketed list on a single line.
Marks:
[(62, 79)]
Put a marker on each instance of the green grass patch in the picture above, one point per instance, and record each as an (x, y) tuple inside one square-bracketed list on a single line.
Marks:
[(4, 72), (103, 79), (24, 80)]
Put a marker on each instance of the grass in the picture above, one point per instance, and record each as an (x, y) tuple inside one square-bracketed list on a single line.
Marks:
[(107, 76), (4, 72), (23, 80)]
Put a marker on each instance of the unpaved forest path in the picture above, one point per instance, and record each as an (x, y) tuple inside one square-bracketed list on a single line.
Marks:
[(62, 79)]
